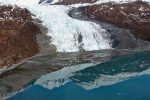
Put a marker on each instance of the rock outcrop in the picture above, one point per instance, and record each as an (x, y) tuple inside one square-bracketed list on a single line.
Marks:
[(17, 35), (69, 2), (134, 16)]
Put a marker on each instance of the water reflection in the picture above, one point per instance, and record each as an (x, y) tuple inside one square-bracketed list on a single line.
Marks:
[(89, 76)]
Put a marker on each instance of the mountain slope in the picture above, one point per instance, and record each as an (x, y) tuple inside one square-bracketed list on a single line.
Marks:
[(66, 31), (17, 35), (69, 34), (134, 16)]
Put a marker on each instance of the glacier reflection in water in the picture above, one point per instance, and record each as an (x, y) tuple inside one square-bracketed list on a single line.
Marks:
[(122, 78), (90, 76)]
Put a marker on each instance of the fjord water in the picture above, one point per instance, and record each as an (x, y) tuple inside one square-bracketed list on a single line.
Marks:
[(122, 78)]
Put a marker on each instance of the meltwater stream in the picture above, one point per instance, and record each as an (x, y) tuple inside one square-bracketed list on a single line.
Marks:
[(122, 78)]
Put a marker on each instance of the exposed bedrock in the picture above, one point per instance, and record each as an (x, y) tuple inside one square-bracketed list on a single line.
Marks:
[(17, 35), (134, 16), (68, 2)]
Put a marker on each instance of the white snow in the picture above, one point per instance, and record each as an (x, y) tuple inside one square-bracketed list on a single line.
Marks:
[(118, 1), (63, 29), (52, 1), (105, 1), (141, 8), (55, 1), (21, 2)]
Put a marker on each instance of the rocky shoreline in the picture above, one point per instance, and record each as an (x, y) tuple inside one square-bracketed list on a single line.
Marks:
[(25, 73), (26, 50), (21, 37)]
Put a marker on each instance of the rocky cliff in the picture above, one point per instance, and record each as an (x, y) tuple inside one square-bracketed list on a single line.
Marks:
[(133, 15), (69, 2), (17, 35)]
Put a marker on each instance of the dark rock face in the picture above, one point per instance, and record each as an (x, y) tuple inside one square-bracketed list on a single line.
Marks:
[(17, 35), (121, 38), (134, 16), (69, 2)]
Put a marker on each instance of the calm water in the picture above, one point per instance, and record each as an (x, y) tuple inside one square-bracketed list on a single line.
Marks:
[(122, 78)]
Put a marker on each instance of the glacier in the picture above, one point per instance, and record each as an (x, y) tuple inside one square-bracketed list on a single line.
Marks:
[(63, 29)]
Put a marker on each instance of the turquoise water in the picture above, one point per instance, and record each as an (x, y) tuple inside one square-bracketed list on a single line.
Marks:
[(122, 78)]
